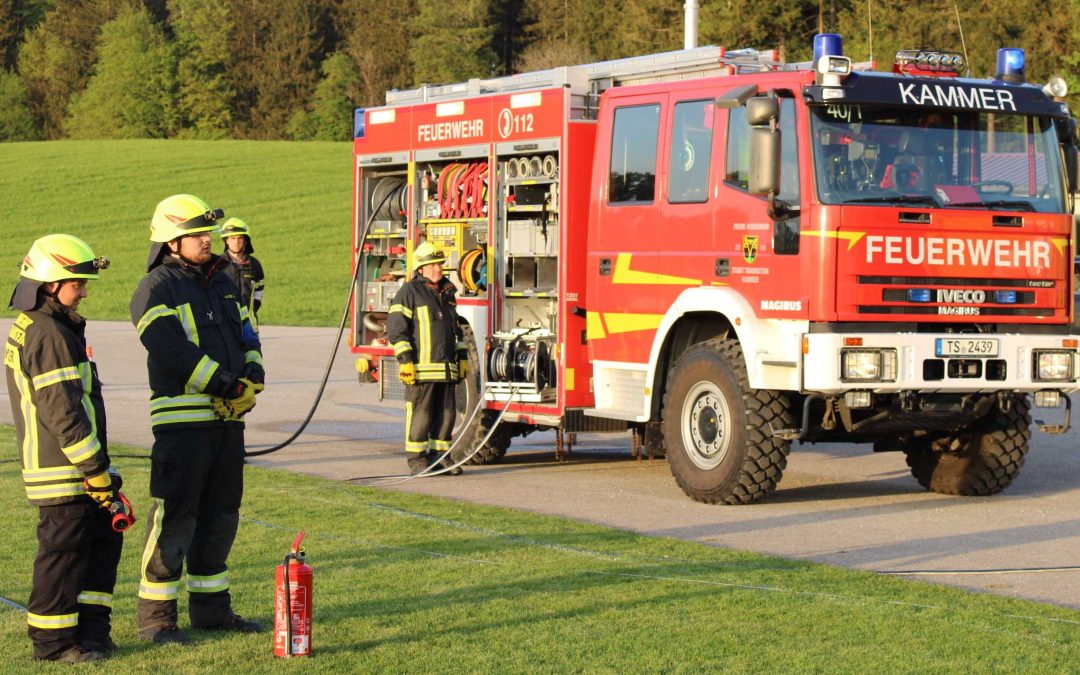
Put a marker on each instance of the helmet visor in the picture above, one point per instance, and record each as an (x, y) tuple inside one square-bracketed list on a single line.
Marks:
[(203, 222), (89, 266)]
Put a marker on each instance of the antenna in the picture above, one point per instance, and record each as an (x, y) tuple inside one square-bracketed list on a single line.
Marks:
[(963, 44), (870, 29)]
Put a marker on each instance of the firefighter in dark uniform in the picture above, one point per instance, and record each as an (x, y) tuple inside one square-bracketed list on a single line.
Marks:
[(205, 368), (423, 328), (60, 425), (247, 271)]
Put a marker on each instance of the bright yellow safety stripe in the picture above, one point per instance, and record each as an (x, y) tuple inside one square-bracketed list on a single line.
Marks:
[(96, 598), (183, 401), (177, 416), (53, 491), (438, 446), (253, 356), (200, 377), (84, 449), (214, 583), (51, 473), (423, 337), (245, 315), (150, 590), (52, 621), (187, 321), (55, 376), (403, 310), (402, 347), (151, 315)]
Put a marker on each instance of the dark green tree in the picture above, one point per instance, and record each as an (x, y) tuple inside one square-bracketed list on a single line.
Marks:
[(16, 122), (378, 40), (452, 41), (132, 91), (203, 29), (331, 112), (57, 57)]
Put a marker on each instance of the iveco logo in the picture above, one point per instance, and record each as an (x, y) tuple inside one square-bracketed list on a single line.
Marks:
[(958, 296)]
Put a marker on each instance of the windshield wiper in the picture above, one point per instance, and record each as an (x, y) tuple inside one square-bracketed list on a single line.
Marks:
[(998, 204), (899, 199)]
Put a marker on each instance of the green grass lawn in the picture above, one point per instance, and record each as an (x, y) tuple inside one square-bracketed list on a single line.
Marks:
[(296, 197), (419, 584)]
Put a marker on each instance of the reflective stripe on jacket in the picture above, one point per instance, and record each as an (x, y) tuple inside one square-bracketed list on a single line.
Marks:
[(56, 402), (197, 337), (423, 329)]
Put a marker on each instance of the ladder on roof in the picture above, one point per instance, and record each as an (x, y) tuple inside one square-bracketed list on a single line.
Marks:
[(593, 78)]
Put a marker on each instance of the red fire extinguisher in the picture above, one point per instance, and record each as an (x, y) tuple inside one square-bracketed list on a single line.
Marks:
[(292, 604)]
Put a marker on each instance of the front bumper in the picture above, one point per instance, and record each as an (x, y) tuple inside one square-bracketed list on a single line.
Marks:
[(919, 369)]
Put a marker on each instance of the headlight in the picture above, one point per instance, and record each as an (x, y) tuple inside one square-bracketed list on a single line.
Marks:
[(1052, 365), (868, 365)]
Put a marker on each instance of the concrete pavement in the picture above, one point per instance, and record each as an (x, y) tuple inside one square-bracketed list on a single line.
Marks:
[(837, 504)]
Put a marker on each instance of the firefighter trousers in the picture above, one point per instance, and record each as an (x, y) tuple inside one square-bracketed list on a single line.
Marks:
[(74, 575), (196, 482), (430, 409)]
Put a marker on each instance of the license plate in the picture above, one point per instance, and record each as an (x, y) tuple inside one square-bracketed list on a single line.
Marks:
[(977, 347)]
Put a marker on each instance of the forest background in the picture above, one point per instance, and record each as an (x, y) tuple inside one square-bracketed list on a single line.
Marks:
[(295, 69)]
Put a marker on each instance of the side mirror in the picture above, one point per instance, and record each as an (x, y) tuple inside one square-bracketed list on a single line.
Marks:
[(762, 111), (764, 178)]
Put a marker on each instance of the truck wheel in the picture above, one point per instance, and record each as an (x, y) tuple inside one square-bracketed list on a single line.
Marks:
[(716, 428), (492, 452), (983, 461)]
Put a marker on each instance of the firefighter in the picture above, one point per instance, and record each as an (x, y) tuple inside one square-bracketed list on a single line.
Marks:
[(205, 366), (423, 328), (60, 425), (247, 271)]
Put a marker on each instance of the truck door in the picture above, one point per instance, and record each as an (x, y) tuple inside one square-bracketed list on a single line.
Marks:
[(623, 255)]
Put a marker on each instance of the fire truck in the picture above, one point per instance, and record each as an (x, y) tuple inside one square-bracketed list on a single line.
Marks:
[(726, 253)]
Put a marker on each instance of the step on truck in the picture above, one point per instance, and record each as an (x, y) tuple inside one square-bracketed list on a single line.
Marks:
[(725, 253)]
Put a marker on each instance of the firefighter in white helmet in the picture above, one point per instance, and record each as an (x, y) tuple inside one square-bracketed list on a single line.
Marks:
[(423, 328), (60, 425), (247, 271), (205, 366)]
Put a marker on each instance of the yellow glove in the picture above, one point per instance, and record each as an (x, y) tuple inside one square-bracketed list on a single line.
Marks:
[(462, 368), (100, 488), (407, 373), (241, 400)]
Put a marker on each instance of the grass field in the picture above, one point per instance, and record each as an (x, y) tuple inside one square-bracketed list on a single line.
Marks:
[(296, 197), (419, 584)]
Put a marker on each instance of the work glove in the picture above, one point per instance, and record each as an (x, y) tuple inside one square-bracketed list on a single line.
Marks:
[(407, 373), (240, 401), (462, 369), (256, 374), (118, 482), (100, 488)]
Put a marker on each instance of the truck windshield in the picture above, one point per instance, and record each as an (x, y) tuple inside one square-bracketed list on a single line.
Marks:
[(964, 160)]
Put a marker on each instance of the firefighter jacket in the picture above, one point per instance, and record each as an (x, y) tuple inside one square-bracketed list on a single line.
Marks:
[(197, 337), (56, 402), (423, 328), (248, 277)]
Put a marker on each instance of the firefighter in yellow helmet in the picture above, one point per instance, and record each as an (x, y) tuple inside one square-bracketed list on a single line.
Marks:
[(60, 425), (423, 328), (247, 271), (205, 365)]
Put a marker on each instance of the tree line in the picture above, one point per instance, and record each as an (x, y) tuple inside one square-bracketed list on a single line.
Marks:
[(295, 69)]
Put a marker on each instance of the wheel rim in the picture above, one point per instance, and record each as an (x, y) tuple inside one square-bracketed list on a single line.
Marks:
[(706, 425)]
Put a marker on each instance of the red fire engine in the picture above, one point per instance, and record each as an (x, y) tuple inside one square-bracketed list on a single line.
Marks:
[(726, 253)]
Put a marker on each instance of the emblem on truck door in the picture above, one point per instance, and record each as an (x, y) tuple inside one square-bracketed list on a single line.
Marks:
[(749, 247)]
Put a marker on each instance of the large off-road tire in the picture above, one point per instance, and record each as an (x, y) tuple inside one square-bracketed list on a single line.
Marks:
[(982, 461), (716, 428)]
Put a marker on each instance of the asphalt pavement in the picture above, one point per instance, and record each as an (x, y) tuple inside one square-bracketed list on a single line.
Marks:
[(837, 504)]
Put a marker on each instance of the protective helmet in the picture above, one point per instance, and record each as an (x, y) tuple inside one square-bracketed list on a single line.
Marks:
[(176, 217), (234, 227), (426, 254), (55, 257)]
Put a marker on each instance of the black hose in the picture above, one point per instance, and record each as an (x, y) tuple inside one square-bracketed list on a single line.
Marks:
[(337, 340)]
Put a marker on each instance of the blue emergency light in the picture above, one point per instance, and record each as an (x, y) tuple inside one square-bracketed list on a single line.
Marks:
[(918, 295), (1005, 297), (828, 44), (358, 123), (1010, 65)]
